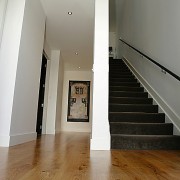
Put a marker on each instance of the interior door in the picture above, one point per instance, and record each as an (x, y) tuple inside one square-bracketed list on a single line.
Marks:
[(41, 96)]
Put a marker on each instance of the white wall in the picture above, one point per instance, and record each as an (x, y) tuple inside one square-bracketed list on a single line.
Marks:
[(3, 6), (75, 126), (59, 95), (112, 42), (153, 27), (24, 114), (8, 64), (53, 102), (100, 125), (21, 51)]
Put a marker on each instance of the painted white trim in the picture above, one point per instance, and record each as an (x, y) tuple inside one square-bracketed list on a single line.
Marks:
[(171, 116), (4, 141), (100, 144), (22, 138)]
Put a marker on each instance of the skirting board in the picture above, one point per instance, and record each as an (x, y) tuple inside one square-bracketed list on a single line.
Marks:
[(170, 114), (4, 141), (22, 138)]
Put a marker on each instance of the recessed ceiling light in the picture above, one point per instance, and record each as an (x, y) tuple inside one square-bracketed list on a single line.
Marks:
[(76, 53), (79, 67), (69, 13)]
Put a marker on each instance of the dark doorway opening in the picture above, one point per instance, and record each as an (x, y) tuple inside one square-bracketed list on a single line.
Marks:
[(41, 96)]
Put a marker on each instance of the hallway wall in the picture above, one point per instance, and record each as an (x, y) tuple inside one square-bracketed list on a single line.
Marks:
[(153, 27), (74, 126), (20, 65), (3, 5)]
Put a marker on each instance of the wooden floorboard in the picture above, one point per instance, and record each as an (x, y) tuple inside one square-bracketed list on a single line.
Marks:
[(66, 156)]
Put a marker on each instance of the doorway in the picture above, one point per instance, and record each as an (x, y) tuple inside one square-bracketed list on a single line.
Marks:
[(41, 96)]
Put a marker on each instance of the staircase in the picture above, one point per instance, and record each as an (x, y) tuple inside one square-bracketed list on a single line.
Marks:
[(134, 121)]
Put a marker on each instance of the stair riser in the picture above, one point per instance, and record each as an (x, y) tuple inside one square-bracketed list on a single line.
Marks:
[(137, 118), (129, 89), (116, 80), (120, 66), (127, 84), (123, 76), (145, 143), (127, 94), (141, 129), (119, 75), (135, 108), (130, 100)]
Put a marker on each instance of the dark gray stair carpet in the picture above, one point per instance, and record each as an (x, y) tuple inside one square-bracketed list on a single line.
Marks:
[(124, 88), (136, 117), (133, 108), (134, 121), (145, 142), (123, 80), (130, 100), (128, 94), (127, 84), (141, 128)]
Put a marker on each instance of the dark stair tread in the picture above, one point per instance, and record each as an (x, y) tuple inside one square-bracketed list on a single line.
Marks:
[(123, 76), (125, 88), (130, 100), (128, 84), (128, 94), (141, 128), (136, 117), (123, 80), (145, 142), (133, 108)]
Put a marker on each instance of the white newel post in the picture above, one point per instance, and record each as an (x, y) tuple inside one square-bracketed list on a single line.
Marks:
[(100, 127)]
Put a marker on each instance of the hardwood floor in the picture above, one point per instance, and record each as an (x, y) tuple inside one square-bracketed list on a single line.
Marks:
[(67, 156)]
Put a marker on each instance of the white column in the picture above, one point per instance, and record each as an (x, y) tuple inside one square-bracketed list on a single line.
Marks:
[(9, 52), (100, 127), (53, 90)]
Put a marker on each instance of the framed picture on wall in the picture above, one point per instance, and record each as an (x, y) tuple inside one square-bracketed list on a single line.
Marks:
[(78, 101)]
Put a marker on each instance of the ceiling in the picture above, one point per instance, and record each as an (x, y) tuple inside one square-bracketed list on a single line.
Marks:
[(71, 33)]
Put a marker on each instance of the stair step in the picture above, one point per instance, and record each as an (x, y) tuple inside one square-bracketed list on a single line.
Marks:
[(141, 128), (122, 80), (118, 66), (134, 121), (128, 84), (133, 108), (115, 61), (125, 100), (117, 74), (123, 76), (127, 94), (136, 117), (125, 88), (145, 142)]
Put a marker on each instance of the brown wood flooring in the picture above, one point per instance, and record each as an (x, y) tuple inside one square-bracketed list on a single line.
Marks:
[(66, 156)]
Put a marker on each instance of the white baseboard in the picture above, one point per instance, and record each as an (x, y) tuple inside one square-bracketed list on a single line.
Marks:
[(171, 116), (100, 144), (4, 141), (22, 138)]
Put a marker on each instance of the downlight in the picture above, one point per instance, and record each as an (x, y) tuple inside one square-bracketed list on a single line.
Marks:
[(69, 13)]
